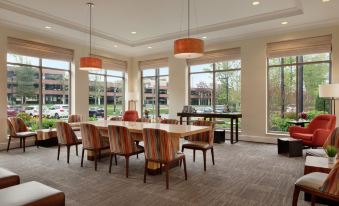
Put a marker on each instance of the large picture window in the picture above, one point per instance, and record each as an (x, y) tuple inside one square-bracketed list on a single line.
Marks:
[(155, 91), (106, 94), (37, 90), (296, 68)]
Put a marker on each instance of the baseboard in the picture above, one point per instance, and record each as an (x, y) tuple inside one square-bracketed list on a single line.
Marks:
[(259, 139)]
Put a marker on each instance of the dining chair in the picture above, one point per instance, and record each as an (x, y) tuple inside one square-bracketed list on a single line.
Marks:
[(143, 119), (93, 141), (319, 185), (18, 129), (74, 118), (169, 121), (202, 141), (115, 118), (66, 137), (130, 116), (159, 148), (122, 144)]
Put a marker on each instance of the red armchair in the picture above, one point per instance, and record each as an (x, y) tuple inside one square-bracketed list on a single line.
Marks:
[(317, 131), (130, 116)]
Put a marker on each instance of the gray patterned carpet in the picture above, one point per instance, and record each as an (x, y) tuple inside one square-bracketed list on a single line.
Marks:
[(244, 174)]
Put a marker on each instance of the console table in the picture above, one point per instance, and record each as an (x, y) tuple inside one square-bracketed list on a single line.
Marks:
[(234, 116)]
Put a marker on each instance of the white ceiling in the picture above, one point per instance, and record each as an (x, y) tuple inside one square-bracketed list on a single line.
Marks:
[(159, 22)]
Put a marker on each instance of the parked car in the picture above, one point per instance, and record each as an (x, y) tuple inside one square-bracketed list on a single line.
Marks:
[(58, 110), (205, 110), (32, 110), (11, 112), (220, 108), (96, 112)]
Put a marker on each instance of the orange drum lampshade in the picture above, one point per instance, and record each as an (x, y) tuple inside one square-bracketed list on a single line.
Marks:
[(90, 63), (188, 48)]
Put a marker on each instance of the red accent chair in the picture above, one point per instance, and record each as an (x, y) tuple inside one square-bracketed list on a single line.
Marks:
[(130, 116), (317, 131)]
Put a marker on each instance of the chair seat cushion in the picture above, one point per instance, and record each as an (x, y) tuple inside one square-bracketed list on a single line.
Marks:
[(303, 136), (313, 180), (25, 134), (196, 144), (316, 152), (8, 178), (31, 193)]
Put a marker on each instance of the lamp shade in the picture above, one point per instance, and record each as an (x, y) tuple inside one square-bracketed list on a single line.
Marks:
[(329, 90), (90, 63), (188, 48)]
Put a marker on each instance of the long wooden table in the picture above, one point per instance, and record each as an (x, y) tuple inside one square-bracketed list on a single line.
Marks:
[(234, 116), (175, 132)]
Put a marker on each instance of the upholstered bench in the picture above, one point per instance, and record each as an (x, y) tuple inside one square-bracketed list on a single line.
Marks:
[(32, 194), (8, 178)]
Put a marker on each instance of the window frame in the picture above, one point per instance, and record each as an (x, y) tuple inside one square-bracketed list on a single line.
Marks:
[(299, 66), (40, 70), (157, 88), (105, 75), (213, 72)]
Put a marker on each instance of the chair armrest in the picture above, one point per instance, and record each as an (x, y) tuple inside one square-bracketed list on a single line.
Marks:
[(320, 136), (298, 129)]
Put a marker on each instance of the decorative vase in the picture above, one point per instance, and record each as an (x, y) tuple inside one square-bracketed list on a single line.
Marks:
[(331, 160)]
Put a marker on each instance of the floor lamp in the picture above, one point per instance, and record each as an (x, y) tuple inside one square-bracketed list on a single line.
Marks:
[(330, 91)]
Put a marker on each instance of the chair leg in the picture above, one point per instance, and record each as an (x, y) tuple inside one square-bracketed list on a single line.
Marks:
[(184, 160), (58, 152), (99, 155), (145, 170), (137, 156), (116, 161), (193, 155), (24, 144), (204, 154), (167, 175), (180, 162), (20, 143), (76, 150), (212, 153), (82, 157), (36, 141), (95, 160), (182, 149), (110, 163), (68, 151), (127, 165), (160, 168), (295, 196), (313, 200), (9, 143)]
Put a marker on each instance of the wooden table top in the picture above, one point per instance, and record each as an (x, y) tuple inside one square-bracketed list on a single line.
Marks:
[(137, 127), (216, 115)]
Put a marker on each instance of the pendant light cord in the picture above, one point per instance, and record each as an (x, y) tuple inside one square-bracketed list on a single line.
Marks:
[(188, 19)]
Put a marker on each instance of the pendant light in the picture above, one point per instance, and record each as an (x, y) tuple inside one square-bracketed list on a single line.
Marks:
[(90, 63), (188, 48)]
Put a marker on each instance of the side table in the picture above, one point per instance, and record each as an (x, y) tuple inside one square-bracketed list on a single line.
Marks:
[(293, 147)]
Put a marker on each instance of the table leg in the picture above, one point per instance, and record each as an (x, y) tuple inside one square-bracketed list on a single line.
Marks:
[(231, 130), (236, 129), (181, 120), (188, 121)]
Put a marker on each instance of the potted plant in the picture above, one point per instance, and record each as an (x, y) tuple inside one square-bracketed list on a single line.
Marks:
[(331, 152), (146, 113), (302, 116)]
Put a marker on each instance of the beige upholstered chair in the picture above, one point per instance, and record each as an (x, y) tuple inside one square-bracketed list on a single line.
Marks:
[(66, 137), (115, 118), (93, 141), (122, 144), (202, 141), (318, 185), (18, 129), (169, 121), (159, 148)]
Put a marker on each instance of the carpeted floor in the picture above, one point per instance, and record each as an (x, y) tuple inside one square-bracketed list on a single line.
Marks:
[(244, 174)]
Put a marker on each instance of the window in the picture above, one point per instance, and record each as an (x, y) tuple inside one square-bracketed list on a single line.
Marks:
[(106, 94), (296, 68), (28, 79), (155, 91)]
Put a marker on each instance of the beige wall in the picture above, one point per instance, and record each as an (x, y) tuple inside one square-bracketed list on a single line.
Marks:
[(253, 78), (79, 79)]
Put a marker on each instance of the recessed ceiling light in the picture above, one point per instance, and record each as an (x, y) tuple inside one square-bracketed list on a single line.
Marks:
[(204, 37), (115, 46), (48, 27), (326, 1), (149, 47), (133, 32), (284, 22), (255, 3)]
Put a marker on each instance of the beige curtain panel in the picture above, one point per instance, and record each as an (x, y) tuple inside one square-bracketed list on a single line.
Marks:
[(312, 45), (154, 63), (112, 64), (217, 56), (40, 50)]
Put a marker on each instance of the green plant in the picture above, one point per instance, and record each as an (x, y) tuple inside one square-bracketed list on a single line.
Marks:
[(331, 151)]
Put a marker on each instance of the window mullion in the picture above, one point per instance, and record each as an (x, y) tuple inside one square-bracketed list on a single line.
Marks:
[(41, 99)]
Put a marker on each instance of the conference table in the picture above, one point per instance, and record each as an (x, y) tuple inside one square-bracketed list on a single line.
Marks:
[(135, 128)]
